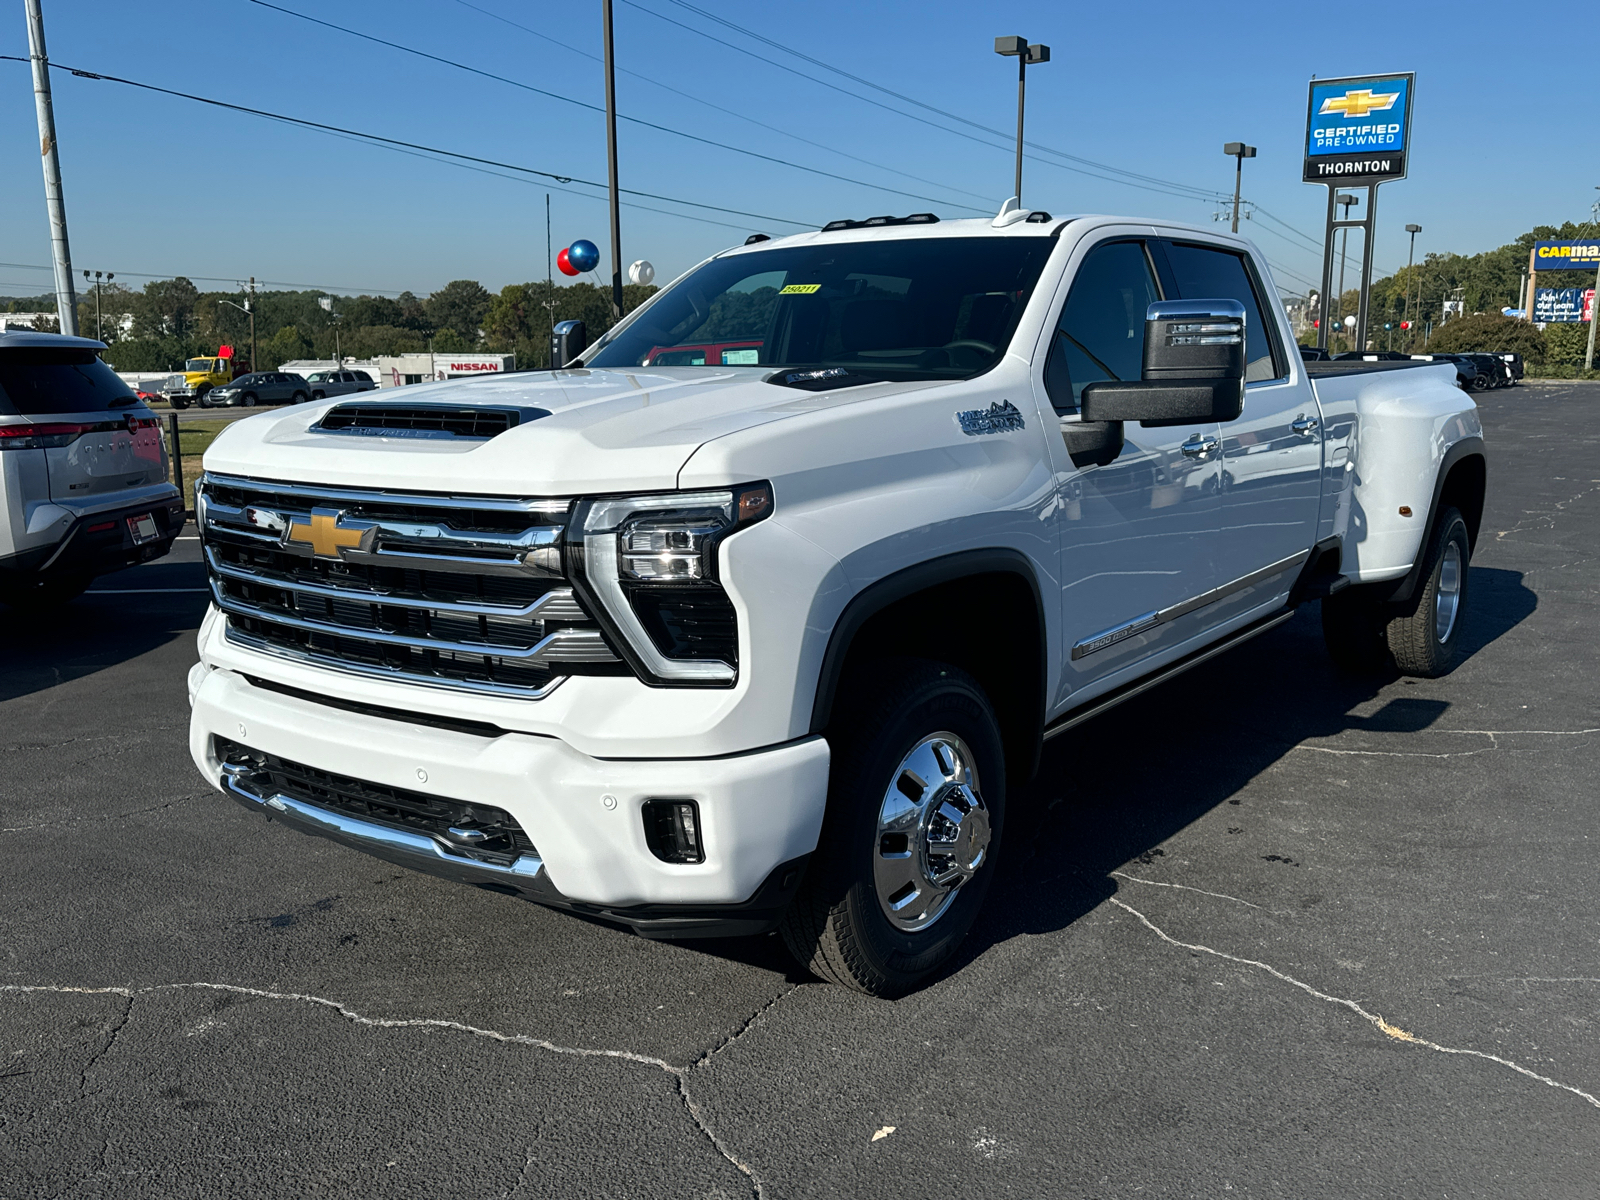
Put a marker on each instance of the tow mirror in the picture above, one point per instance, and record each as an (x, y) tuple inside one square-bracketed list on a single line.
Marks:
[(567, 340), (1193, 368)]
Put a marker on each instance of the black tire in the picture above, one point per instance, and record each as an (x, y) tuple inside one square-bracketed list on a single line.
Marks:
[(1424, 636), (41, 595), (203, 398), (178, 403), (836, 926), (248, 400), (319, 395), (298, 398), (1352, 630)]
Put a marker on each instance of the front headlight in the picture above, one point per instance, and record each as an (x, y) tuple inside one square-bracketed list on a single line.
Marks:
[(647, 566)]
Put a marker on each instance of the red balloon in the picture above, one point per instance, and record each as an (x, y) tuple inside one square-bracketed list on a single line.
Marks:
[(565, 263)]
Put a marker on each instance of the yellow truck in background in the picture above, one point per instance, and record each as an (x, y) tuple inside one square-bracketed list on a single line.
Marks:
[(200, 375)]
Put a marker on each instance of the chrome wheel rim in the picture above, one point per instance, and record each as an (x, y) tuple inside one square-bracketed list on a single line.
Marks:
[(933, 832), (1447, 598)]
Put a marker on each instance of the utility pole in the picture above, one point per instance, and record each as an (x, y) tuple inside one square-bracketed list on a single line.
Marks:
[(1026, 55), (1594, 318), (60, 253), (1240, 152), (255, 363), (1411, 261), (1345, 200), (611, 162)]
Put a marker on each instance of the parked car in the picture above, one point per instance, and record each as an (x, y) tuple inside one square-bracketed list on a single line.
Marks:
[(705, 652), (1372, 356), (1493, 371), (83, 471), (261, 387), (1466, 373), (338, 383), (1514, 361)]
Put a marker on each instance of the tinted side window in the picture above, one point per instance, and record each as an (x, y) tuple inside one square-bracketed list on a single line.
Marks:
[(41, 381), (1100, 337), (1206, 273)]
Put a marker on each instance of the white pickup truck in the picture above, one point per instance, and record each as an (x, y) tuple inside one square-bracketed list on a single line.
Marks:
[(767, 640)]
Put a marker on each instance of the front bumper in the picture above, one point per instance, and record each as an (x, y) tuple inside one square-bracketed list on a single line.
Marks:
[(760, 812)]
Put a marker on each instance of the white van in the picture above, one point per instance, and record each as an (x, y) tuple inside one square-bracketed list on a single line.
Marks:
[(83, 471)]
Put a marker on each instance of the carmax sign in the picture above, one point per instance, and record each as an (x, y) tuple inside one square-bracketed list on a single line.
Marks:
[(1566, 256)]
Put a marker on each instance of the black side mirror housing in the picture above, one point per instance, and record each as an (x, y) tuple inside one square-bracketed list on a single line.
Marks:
[(1193, 368), (567, 340)]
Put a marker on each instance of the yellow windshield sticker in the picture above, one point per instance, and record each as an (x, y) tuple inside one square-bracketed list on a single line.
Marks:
[(800, 289)]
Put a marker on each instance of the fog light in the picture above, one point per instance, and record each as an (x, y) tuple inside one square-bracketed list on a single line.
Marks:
[(672, 830)]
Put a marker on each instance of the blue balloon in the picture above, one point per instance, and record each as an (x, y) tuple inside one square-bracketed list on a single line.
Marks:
[(584, 254)]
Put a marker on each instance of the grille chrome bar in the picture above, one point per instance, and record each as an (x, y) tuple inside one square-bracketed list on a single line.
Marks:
[(339, 495), (561, 645), (558, 604)]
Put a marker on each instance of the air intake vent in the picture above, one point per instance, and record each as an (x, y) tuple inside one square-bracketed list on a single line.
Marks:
[(424, 420)]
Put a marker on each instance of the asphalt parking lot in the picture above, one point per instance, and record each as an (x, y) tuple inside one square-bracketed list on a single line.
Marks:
[(1265, 931)]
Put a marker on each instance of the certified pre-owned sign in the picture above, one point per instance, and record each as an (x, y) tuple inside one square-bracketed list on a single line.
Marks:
[(1358, 130)]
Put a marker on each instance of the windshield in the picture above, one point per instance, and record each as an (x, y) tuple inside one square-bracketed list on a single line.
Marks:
[(39, 381), (924, 308), (199, 364)]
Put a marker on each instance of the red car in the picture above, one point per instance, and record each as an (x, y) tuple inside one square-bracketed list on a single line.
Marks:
[(716, 354)]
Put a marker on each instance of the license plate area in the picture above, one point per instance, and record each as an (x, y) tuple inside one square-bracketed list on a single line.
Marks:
[(143, 528)]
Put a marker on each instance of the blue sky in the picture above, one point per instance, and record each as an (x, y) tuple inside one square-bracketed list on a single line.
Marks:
[(165, 186)]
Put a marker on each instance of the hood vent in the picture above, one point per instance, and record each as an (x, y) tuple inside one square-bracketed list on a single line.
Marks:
[(446, 421)]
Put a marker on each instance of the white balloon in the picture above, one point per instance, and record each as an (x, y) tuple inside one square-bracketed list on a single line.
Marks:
[(642, 272), (1350, 321)]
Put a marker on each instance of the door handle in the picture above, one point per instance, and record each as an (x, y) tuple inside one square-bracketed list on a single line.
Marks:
[(1305, 426), (1199, 445)]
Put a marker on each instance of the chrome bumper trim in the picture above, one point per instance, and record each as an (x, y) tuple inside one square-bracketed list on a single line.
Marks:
[(395, 845)]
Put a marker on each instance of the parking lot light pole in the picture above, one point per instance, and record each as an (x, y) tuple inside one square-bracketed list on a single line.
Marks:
[(1240, 152), (1411, 260), (1344, 200), (1018, 48), (1594, 317), (611, 165), (54, 200), (249, 310)]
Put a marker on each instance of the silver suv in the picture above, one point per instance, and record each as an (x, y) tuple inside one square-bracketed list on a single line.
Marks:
[(83, 471), (338, 383)]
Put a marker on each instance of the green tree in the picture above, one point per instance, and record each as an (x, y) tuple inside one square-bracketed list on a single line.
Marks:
[(165, 307), (1491, 333), (286, 345), (1565, 343), (460, 305), (518, 321)]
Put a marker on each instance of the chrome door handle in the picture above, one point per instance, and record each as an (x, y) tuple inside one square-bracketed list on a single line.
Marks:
[(1199, 445), (1305, 426)]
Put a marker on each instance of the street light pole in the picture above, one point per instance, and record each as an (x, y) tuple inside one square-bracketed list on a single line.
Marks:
[(54, 200), (1411, 260), (1344, 199), (1240, 152), (611, 162), (1594, 317), (1018, 48)]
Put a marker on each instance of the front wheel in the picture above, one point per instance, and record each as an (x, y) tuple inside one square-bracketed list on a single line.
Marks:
[(248, 400), (916, 806), (298, 398)]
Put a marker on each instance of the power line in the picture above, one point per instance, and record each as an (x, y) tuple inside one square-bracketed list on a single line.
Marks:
[(528, 87), (1133, 178), (388, 141), (571, 49)]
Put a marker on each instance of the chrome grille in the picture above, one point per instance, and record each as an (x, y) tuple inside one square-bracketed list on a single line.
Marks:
[(447, 591)]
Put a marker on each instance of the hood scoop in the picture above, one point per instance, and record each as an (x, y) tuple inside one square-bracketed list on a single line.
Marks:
[(824, 379), (450, 422)]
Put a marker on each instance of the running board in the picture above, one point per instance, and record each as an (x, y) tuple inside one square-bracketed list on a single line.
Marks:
[(1129, 690)]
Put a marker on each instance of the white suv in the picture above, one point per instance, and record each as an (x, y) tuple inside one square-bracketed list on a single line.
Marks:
[(83, 471)]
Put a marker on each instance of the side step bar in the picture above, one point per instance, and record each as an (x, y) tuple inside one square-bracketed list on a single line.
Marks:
[(1135, 687)]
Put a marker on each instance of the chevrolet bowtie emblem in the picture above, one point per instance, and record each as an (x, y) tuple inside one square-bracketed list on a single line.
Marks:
[(327, 533), (1359, 102)]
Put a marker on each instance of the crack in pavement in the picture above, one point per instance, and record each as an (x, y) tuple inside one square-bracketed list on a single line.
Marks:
[(743, 1029), (96, 820), (1494, 736), (1549, 518), (691, 1106), (1186, 888), (1389, 1030)]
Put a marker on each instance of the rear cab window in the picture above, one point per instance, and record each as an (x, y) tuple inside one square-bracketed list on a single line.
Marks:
[(40, 381)]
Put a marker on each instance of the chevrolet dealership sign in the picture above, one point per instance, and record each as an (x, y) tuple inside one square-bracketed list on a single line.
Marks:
[(1358, 129)]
